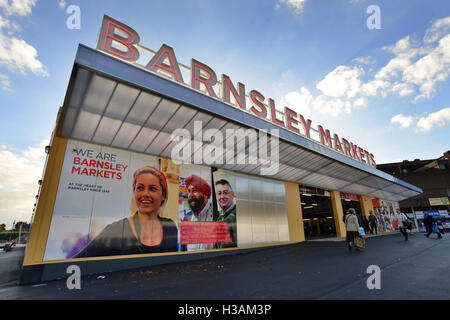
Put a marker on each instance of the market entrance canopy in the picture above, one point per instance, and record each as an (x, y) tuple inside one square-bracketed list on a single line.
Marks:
[(114, 103)]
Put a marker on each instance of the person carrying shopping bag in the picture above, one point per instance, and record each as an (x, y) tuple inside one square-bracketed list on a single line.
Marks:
[(352, 228)]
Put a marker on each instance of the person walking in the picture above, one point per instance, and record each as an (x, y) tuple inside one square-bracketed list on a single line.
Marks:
[(373, 223), (440, 226), (365, 224), (352, 228), (429, 222), (402, 220)]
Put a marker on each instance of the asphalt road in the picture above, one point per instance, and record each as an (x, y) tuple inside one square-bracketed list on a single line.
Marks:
[(10, 264), (322, 270)]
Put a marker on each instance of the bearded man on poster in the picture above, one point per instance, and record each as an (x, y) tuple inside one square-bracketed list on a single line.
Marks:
[(199, 193)]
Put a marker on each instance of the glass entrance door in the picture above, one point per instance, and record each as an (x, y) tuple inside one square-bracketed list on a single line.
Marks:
[(317, 212), (350, 200)]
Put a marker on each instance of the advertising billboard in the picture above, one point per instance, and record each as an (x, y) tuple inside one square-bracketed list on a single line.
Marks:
[(439, 201), (114, 202)]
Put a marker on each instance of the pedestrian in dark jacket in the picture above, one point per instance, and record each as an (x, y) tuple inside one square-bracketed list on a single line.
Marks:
[(365, 224), (429, 221), (373, 223)]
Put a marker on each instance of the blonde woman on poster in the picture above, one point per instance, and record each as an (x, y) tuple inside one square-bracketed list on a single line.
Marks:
[(145, 231)]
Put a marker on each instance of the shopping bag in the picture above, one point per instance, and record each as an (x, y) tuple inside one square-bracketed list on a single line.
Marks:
[(435, 228), (361, 231), (407, 224), (360, 243)]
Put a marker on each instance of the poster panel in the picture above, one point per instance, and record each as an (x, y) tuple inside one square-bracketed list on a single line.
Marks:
[(116, 202), (195, 208), (225, 210), (207, 209), (98, 202)]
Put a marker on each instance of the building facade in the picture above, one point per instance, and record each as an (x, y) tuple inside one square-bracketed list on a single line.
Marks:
[(433, 177), (146, 168)]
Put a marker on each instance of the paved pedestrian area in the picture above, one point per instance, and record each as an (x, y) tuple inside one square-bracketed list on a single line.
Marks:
[(366, 236), (10, 265), (322, 270)]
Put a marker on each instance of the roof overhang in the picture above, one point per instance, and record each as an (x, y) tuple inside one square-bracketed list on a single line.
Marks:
[(114, 103)]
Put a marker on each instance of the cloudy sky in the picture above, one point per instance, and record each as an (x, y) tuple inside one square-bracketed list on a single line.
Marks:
[(386, 88)]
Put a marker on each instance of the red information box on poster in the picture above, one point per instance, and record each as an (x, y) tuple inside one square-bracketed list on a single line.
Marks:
[(196, 232), (376, 203)]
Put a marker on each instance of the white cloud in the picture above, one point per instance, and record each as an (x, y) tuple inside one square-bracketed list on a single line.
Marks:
[(62, 4), (305, 103), (18, 55), (332, 107), (365, 60), (415, 68), (360, 102), (422, 66), (295, 6), (404, 121), (430, 69), (18, 7), (402, 89), (19, 175), (439, 28), (343, 81), (403, 59), (439, 118), (15, 53), (10, 27), (5, 84), (401, 46), (375, 87), (4, 23), (300, 101)]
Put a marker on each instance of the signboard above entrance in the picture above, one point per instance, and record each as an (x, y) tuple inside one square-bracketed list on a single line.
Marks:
[(121, 41), (439, 201)]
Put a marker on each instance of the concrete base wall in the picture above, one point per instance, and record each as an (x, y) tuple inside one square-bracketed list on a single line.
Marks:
[(54, 271)]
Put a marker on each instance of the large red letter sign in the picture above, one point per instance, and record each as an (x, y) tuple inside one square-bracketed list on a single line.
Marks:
[(228, 86), (118, 39), (197, 77), (157, 62), (325, 137), (257, 99)]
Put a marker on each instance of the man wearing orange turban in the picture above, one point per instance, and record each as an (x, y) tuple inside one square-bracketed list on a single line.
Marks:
[(199, 192)]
